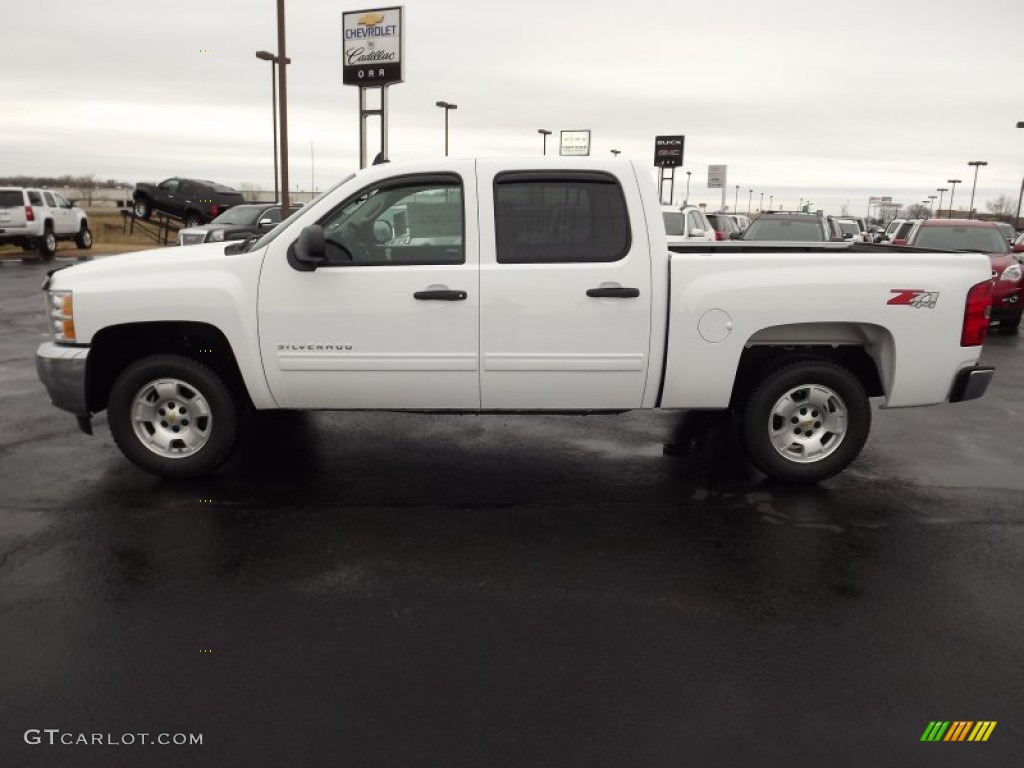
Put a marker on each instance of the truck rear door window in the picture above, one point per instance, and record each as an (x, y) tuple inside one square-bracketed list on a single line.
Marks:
[(548, 217), (11, 198)]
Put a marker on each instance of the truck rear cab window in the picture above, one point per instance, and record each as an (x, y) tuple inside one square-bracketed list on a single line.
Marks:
[(11, 198), (543, 217), (34, 198), (405, 220)]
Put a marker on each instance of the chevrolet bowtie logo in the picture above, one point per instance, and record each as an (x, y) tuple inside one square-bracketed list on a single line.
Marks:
[(370, 19)]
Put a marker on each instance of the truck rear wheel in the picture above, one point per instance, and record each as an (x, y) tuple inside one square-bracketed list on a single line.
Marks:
[(173, 416), (806, 421)]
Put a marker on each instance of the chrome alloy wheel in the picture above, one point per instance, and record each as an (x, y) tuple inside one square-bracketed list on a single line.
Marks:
[(808, 423), (171, 418)]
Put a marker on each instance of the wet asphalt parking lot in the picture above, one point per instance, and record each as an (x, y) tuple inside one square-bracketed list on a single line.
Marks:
[(414, 590)]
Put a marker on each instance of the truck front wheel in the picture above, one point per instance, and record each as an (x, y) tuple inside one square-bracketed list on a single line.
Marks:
[(173, 416), (806, 421)]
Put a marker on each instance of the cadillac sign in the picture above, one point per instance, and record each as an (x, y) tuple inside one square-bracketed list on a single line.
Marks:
[(668, 151), (371, 47)]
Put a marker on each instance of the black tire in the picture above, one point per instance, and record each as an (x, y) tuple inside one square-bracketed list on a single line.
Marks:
[(84, 237), (192, 219), (48, 243), (187, 389), (142, 208), (814, 393)]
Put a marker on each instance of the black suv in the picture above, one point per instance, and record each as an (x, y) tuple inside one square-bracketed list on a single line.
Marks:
[(793, 226), (194, 201)]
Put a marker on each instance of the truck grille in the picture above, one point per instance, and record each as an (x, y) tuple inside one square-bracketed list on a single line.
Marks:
[(190, 238)]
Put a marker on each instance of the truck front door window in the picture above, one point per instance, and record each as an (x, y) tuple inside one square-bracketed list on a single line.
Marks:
[(418, 221)]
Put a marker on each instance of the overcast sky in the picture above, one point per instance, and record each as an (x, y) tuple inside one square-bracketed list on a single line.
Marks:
[(821, 99)]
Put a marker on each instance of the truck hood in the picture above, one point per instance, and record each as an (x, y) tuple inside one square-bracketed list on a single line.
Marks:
[(156, 261)]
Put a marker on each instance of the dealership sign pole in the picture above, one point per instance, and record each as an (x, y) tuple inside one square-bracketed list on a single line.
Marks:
[(373, 56), (668, 153)]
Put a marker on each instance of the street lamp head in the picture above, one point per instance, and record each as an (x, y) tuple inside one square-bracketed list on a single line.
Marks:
[(1020, 123), (942, 189), (265, 55), (977, 162), (543, 131), (446, 105), (952, 181)]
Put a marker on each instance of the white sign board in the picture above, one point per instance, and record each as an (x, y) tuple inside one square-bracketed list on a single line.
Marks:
[(716, 176), (574, 143), (371, 47)]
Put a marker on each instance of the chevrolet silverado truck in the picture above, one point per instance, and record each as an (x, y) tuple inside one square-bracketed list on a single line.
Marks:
[(510, 286)]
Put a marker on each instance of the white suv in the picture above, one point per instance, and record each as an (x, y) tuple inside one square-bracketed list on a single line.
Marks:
[(38, 218), (686, 224)]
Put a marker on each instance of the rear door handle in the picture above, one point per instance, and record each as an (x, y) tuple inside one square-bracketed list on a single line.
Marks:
[(440, 295), (613, 293)]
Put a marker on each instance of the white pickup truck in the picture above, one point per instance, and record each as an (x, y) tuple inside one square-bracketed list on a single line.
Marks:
[(509, 286)]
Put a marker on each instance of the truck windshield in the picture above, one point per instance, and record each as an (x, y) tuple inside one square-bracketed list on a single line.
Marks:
[(267, 238), (983, 239), (675, 223), (798, 230)]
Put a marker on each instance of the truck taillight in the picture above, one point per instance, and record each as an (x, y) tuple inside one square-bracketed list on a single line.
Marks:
[(214, 211), (719, 235), (30, 215), (976, 312)]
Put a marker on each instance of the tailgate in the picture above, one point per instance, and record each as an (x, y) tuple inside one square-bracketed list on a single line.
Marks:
[(12, 208)]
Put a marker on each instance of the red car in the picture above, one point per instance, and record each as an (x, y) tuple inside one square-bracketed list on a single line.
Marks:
[(984, 237)]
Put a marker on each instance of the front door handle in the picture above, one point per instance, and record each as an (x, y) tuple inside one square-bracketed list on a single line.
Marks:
[(613, 293), (440, 295)]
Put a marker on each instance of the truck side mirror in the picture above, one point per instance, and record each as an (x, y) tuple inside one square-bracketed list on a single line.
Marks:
[(308, 252)]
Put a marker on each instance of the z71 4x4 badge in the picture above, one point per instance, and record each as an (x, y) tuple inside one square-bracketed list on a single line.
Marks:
[(914, 297)]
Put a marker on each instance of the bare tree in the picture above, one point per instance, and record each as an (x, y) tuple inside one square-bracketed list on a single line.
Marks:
[(917, 211), (1003, 208)]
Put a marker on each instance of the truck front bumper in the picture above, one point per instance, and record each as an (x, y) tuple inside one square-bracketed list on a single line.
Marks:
[(971, 383), (62, 371)]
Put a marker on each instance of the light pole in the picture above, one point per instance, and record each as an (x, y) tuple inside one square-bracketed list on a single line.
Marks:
[(976, 164), (736, 199), (931, 205), (447, 107), (760, 206), (750, 199), (771, 202), (268, 56), (952, 192), (544, 132), (687, 187), (941, 191)]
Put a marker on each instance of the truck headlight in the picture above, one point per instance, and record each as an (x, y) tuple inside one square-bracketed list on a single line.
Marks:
[(1012, 272), (217, 235), (62, 315)]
